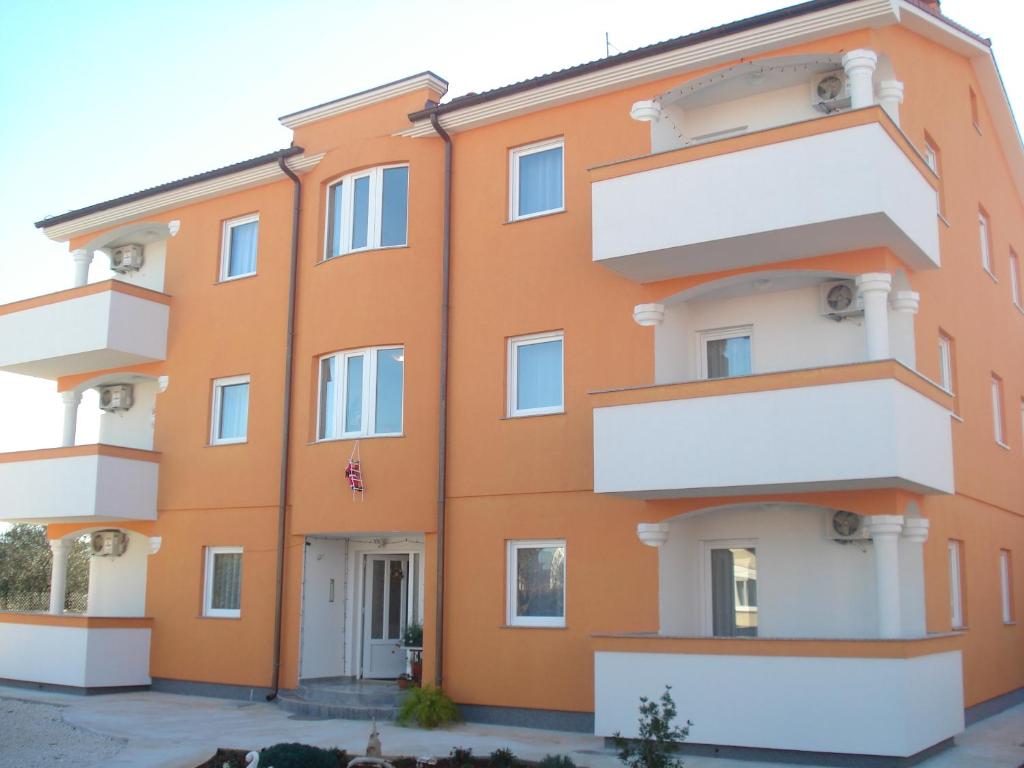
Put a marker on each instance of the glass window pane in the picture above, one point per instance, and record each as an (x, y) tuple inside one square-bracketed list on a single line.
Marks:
[(354, 394), (360, 211), (539, 375), (234, 411), (242, 249), (728, 357), (734, 592), (394, 206), (328, 396), (540, 181), (540, 581), (377, 601), (390, 370), (334, 220), (226, 590), (395, 600)]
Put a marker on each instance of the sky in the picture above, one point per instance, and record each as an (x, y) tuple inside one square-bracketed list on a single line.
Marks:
[(101, 98)]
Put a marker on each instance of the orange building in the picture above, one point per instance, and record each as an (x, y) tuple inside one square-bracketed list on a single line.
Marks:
[(695, 365)]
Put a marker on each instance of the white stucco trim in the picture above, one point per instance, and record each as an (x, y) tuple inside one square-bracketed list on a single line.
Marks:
[(365, 98)]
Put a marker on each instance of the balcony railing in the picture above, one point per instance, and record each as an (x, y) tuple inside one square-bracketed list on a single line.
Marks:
[(101, 482), (96, 327), (847, 427), (840, 183)]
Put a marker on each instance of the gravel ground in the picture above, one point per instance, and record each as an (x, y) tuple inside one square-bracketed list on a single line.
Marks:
[(34, 735)]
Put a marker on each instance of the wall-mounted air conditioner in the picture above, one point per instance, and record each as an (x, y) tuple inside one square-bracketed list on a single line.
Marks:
[(126, 258), (829, 91), (841, 525), (116, 397), (108, 543), (839, 299)]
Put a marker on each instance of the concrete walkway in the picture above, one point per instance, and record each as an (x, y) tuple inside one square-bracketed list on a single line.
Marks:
[(169, 731)]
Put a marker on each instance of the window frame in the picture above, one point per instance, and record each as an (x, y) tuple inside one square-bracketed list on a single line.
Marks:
[(217, 403), (1015, 286), (512, 593), (225, 246), (1006, 585), (946, 378), (933, 159), (717, 334), (985, 242), (514, 155), (998, 411), (512, 388), (955, 562), (707, 581), (374, 216), (368, 386), (208, 610)]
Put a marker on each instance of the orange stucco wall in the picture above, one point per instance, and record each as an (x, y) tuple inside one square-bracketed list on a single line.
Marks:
[(530, 477)]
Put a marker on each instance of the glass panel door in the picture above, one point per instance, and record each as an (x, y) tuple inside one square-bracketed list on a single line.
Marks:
[(733, 591), (384, 615)]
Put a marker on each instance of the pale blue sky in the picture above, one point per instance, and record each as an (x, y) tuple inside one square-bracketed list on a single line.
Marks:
[(106, 97)]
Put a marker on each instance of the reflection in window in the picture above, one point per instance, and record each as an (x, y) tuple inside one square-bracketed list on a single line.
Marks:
[(734, 592)]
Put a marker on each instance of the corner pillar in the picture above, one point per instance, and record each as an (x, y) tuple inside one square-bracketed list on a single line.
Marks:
[(82, 258), (890, 96), (71, 400), (915, 534), (873, 289), (58, 575), (885, 532), (859, 66)]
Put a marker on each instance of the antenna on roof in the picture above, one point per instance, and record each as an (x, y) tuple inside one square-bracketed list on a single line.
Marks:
[(608, 47)]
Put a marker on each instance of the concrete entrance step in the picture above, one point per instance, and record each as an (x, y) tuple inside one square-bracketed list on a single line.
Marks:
[(344, 698)]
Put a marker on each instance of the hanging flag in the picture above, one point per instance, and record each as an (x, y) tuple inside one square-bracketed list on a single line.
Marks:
[(354, 473)]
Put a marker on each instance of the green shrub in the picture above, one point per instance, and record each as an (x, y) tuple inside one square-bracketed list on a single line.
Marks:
[(557, 761), (300, 756), (503, 758), (427, 707), (413, 636), (657, 739), (460, 757)]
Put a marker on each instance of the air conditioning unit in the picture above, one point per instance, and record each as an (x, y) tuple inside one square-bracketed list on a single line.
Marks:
[(839, 299), (841, 525), (116, 397), (829, 91), (108, 543), (126, 258)]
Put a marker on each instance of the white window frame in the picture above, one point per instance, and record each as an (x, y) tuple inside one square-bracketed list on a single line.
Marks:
[(956, 595), (946, 362), (998, 425), (218, 389), (208, 610), (512, 598), (512, 387), (985, 240), (225, 247), (931, 157), (368, 383), (514, 156), (374, 214), (1015, 287), (1005, 585), (706, 581), (717, 334)]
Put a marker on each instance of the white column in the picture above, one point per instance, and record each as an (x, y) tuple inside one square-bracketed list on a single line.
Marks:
[(82, 259), (874, 289), (860, 69), (901, 326), (648, 314), (890, 96), (71, 400), (885, 532), (652, 534), (58, 575), (915, 533)]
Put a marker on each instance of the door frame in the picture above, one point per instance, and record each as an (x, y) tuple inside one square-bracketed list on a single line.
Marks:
[(359, 548), (707, 620)]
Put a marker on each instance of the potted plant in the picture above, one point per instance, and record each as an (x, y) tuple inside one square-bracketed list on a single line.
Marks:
[(404, 681), (412, 639)]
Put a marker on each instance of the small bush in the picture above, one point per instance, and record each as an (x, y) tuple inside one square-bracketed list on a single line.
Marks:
[(657, 738), (460, 757), (300, 756), (413, 636), (557, 761), (503, 758), (427, 707)]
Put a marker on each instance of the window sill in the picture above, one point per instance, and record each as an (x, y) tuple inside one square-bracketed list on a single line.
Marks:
[(532, 626), (355, 437), (235, 279), (1018, 307), (957, 416), (1009, 623), (229, 618), (361, 251), (960, 628), (1001, 444), (533, 216), (977, 128), (532, 415), (224, 443), (943, 219), (991, 274)]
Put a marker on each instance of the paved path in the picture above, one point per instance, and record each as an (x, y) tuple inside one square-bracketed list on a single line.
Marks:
[(162, 730)]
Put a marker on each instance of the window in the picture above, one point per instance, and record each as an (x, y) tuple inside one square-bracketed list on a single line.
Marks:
[(222, 591), (956, 596), (361, 393), (934, 161), (230, 417), (975, 121), (536, 583), (535, 365), (946, 362), (998, 426), (732, 569), (1006, 585), (537, 178), (725, 352), (367, 210), (1015, 290), (985, 236), (238, 247)]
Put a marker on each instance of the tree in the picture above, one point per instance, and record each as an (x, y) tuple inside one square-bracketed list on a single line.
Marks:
[(25, 560)]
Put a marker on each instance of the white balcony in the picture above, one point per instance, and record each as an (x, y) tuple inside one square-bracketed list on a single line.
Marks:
[(81, 652), (826, 186), (78, 484), (96, 327), (868, 425), (892, 698)]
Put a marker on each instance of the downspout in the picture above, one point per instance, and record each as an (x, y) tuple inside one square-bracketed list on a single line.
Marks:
[(442, 431), (282, 496)]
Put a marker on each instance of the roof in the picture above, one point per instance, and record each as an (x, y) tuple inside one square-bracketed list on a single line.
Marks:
[(673, 44), (227, 170)]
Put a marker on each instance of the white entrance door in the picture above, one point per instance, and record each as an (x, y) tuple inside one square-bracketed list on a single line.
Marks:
[(384, 614)]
